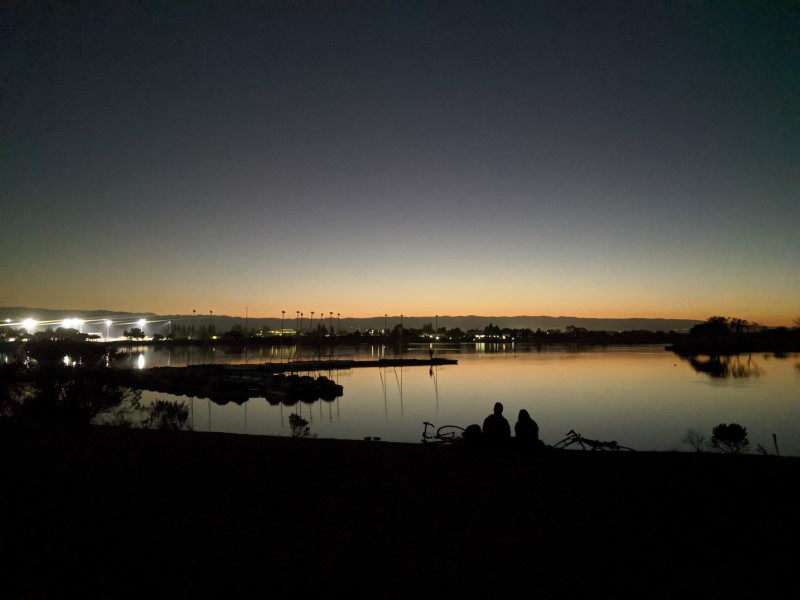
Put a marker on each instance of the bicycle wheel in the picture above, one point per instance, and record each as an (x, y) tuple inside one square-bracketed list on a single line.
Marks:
[(560, 445), (450, 433)]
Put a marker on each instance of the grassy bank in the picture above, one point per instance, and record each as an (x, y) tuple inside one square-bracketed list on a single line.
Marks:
[(118, 513)]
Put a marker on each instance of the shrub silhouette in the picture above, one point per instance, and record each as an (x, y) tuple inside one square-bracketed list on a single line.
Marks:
[(730, 438), (695, 439), (299, 426), (163, 414)]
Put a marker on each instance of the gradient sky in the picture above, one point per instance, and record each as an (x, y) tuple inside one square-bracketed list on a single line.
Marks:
[(594, 159)]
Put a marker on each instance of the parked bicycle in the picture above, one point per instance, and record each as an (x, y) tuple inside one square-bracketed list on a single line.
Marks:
[(574, 438), (446, 434)]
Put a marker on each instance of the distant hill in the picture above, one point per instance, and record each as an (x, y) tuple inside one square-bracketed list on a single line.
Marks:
[(225, 323)]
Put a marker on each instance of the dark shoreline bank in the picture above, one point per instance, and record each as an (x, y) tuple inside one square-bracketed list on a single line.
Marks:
[(116, 512)]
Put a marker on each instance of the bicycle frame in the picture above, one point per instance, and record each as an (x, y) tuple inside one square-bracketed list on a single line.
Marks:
[(574, 437), (446, 434)]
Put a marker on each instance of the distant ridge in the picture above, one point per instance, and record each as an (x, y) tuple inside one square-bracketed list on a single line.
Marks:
[(466, 322)]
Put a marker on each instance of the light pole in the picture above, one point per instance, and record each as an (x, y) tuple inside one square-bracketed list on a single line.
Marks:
[(210, 321), (312, 320), (283, 315), (301, 322), (338, 327), (331, 323), (194, 312), (384, 323)]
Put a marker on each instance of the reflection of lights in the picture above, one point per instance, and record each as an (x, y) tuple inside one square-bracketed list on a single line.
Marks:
[(29, 324), (66, 360), (140, 362)]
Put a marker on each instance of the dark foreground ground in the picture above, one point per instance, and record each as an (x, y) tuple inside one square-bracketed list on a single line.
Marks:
[(126, 513)]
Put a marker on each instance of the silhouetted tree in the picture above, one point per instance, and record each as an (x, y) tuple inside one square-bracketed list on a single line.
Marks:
[(134, 334), (166, 415), (730, 438), (695, 439), (299, 426)]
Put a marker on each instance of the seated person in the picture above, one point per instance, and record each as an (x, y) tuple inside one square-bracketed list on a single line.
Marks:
[(496, 430), (526, 431)]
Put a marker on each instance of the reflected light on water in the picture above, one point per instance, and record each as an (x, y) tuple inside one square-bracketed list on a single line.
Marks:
[(140, 362)]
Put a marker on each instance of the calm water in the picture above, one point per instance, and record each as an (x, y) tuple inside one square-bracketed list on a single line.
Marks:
[(643, 397)]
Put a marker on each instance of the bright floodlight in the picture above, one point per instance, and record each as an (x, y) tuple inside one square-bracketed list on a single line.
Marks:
[(29, 324), (108, 322), (66, 323), (141, 323)]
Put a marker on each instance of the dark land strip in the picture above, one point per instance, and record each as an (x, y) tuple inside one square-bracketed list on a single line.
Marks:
[(119, 513)]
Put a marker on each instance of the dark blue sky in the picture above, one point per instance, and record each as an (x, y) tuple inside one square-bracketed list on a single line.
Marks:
[(587, 158)]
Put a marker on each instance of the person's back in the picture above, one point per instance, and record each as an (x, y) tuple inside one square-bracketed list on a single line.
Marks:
[(496, 429), (526, 431)]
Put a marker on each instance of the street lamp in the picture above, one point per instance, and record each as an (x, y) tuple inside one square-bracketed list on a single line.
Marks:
[(338, 328), (331, 323), (312, 320), (194, 312), (283, 315)]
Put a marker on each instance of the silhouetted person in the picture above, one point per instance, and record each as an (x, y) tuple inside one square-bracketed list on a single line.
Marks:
[(526, 431), (496, 430)]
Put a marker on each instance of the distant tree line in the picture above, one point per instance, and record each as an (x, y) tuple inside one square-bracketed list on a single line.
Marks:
[(728, 335)]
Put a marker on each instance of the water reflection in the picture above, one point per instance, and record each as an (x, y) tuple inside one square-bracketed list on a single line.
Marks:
[(724, 367)]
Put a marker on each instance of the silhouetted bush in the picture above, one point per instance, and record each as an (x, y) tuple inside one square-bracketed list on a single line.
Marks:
[(695, 439), (299, 426), (730, 438), (168, 415)]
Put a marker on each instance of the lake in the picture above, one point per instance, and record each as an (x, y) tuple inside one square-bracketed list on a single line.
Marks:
[(642, 396)]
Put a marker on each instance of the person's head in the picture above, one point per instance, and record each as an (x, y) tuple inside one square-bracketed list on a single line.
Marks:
[(498, 408), (524, 416)]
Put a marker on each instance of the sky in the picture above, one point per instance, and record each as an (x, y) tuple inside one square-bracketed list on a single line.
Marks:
[(594, 159)]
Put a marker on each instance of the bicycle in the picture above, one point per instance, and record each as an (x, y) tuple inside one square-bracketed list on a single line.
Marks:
[(577, 439), (446, 434)]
